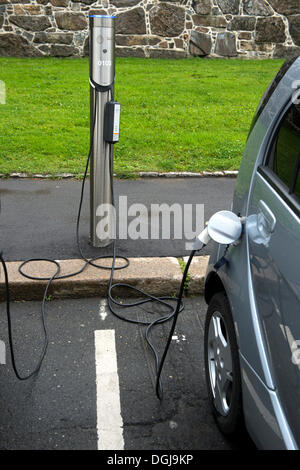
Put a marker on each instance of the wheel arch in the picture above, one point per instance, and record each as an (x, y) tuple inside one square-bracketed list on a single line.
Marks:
[(213, 284)]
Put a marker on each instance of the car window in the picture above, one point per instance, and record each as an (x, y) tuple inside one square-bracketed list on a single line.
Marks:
[(270, 90), (285, 153)]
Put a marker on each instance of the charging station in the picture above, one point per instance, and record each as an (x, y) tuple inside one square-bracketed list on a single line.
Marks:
[(224, 227), (105, 123)]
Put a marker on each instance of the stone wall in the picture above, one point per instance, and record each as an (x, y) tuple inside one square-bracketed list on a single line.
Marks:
[(153, 28)]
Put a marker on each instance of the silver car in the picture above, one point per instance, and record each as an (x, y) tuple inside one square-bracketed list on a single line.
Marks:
[(252, 331)]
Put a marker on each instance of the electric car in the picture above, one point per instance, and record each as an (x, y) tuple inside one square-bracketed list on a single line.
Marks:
[(252, 328)]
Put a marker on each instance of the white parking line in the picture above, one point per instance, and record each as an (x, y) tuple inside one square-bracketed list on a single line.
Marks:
[(109, 419)]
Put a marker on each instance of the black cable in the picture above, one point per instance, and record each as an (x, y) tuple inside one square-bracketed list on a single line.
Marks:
[(91, 261), (9, 323), (56, 274), (87, 261), (148, 298), (49, 279), (175, 318)]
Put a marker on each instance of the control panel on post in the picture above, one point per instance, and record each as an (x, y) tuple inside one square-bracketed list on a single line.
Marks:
[(112, 122)]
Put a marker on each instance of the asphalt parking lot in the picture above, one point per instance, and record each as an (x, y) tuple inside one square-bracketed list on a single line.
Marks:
[(96, 387), (67, 405)]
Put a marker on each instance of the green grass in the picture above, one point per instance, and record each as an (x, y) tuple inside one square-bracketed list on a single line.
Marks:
[(177, 115), (182, 265)]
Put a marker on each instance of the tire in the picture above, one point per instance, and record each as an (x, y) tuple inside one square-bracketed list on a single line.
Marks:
[(222, 367)]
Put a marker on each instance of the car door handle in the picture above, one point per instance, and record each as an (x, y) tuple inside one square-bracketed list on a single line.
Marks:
[(266, 220)]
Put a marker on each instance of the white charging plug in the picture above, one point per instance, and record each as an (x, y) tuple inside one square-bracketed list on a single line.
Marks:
[(224, 227), (202, 239)]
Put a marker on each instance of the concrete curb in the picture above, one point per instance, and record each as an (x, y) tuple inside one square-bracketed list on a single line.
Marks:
[(188, 174), (159, 276), (141, 174)]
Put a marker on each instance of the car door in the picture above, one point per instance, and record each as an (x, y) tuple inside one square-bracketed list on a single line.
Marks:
[(274, 254)]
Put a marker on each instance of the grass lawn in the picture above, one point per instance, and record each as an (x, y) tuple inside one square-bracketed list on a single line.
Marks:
[(176, 115)]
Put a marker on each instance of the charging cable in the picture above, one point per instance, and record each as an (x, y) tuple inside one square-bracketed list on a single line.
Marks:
[(158, 387), (9, 323), (149, 298), (165, 301)]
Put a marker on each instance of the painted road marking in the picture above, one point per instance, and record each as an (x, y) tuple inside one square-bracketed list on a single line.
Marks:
[(102, 309), (109, 419)]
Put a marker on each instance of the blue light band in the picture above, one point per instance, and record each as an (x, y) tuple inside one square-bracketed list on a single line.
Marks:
[(101, 16)]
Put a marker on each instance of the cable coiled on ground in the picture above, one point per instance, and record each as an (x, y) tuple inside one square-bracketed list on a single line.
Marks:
[(112, 301)]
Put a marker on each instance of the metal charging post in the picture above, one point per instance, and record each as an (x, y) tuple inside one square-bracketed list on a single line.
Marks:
[(102, 74)]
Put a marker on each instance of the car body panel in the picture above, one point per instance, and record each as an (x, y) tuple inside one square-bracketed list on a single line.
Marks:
[(275, 263), (276, 428), (262, 411)]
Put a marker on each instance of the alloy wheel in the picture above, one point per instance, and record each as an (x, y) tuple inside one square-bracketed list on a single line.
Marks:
[(220, 364)]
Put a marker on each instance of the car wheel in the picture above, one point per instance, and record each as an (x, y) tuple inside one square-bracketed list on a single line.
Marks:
[(222, 368)]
